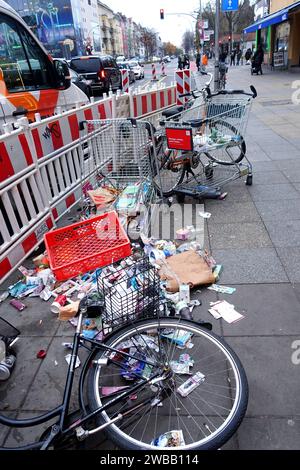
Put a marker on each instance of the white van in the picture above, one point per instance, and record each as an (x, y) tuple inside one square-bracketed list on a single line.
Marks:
[(30, 80)]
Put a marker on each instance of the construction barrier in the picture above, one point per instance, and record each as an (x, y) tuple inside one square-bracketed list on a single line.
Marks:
[(41, 167), (154, 77), (163, 69), (125, 80), (183, 85)]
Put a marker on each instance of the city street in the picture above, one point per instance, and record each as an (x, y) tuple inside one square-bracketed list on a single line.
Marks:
[(255, 234)]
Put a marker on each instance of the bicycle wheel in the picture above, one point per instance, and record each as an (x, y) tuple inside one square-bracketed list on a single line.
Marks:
[(231, 154), (171, 173), (204, 419)]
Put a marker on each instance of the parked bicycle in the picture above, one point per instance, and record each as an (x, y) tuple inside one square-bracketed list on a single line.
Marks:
[(154, 380), (216, 127)]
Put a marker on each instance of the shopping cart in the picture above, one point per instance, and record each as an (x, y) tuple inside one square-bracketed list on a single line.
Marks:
[(205, 148), (118, 168)]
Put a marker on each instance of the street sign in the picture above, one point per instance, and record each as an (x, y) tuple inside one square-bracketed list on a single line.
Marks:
[(230, 5)]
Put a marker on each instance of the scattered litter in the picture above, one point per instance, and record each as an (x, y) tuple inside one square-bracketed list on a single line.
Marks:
[(182, 234), (169, 439), (68, 311), (205, 215), (41, 354), (55, 363), (46, 294), (4, 296), (226, 311), (40, 322), (17, 304), (217, 271), (186, 358), (180, 338), (187, 387), (180, 367), (222, 289), (59, 302), (68, 358), (184, 293)]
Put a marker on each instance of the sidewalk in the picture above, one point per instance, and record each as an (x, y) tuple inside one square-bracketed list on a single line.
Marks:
[(255, 234)]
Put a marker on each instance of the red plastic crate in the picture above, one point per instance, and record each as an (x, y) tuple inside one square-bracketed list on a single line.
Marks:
[(86, 245)]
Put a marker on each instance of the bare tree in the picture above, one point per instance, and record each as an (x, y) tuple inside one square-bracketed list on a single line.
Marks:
[(188, 41), (148, 39)]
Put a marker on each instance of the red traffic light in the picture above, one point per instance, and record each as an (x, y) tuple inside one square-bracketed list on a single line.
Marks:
[(229, 38), (162, 13)]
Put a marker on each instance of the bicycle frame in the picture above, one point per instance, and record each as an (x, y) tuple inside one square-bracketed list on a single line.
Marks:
[(61, 429)]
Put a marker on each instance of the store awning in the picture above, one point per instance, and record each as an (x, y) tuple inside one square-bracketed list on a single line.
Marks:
[(274, 18)]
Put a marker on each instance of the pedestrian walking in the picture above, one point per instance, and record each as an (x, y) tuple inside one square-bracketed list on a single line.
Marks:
[(232, 57), (238, 57), (180, 62), (198, 61), (186, 61), (248, 56)]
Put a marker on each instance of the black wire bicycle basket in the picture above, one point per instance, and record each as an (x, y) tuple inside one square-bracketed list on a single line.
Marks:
[(130, 291)]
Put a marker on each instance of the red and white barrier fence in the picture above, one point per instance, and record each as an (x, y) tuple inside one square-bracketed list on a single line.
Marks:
[(125, 80), (154, 77), (183, 84), (41, 168), (163, 69)]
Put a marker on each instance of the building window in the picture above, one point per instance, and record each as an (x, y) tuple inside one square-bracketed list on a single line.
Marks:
[(89, 2)]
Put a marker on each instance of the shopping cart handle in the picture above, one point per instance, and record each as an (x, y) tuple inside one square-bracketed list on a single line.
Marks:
[(190, 93), (195, 122), (254, 92)]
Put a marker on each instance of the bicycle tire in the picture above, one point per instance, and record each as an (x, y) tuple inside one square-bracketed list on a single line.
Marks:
[(242, 147), (233, 377), (167, 180)]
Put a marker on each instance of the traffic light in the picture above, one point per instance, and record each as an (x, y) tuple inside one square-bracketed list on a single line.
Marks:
[(162, 14), (229, 38)]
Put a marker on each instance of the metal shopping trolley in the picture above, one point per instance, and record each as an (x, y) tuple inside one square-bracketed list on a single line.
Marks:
[(205, 148), (118, 167)]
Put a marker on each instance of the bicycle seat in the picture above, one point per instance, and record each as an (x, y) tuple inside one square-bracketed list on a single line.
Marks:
[(172, 111), (194, 122)]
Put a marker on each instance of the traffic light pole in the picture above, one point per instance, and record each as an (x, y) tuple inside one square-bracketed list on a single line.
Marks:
[(217, 23)]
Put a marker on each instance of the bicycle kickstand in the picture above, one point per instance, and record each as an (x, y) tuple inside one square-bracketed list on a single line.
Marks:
[(52, 435)]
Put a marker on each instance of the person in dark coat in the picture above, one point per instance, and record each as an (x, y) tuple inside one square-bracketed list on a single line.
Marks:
[(258, 59), (248, 56), (180, 62), (198, 61), (232, 57)]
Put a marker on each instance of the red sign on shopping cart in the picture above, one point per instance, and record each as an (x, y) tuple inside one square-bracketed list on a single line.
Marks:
[(179, 138)]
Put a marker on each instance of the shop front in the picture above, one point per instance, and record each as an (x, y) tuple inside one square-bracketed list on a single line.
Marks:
[(278, 33)]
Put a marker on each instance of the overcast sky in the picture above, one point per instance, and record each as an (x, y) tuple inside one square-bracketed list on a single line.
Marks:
[(147, 13)]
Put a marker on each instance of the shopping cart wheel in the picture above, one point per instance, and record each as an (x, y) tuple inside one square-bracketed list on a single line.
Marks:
[(180, 198), (249, 180), (209, 173)]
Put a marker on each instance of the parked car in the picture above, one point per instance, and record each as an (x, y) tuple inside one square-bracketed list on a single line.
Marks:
[(137, 69), (81, 82), (102, 71), (126, 66), (166, 59)]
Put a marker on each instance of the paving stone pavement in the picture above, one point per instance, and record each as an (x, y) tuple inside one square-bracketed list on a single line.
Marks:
[(255, 234)]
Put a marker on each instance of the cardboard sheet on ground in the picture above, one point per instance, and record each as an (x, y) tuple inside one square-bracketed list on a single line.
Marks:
[(185, 268)]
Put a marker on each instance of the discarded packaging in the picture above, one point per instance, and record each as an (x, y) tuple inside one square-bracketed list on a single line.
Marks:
[(180, 367), (69, 311), (205, 215), (180, 338), (184, 293), (4, 296), (222, 289), (169, 439), (68, 358), (226, 311), (41, 354), (187, 387), (17, 304)]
